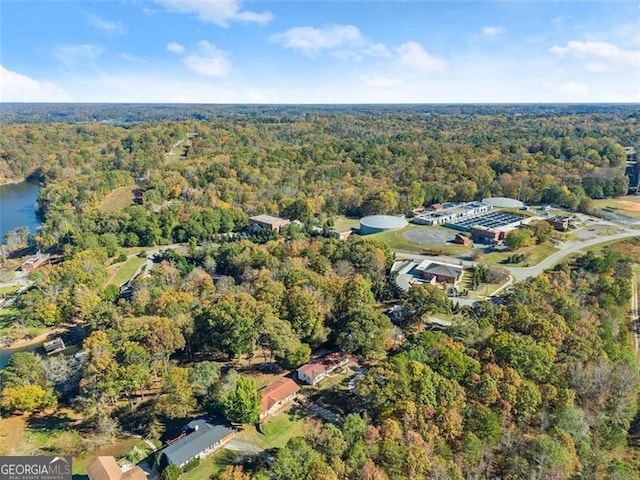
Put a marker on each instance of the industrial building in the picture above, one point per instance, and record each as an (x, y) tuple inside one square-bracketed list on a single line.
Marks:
[(381, 223), (450, 212), (269, 222)]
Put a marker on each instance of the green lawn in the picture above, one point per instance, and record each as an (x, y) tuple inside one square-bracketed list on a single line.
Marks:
[(8, 291), (210, 466), (277, 429), (118, 199), (126, 271), (343, 223), (535, 254)]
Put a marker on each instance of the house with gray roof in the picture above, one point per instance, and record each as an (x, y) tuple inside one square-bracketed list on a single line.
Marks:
[(200, 439)]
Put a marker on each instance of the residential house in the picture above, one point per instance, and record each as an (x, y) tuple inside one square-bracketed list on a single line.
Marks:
[(276, 395), (268, 222), (106, 468), (200, 439), (315, 371)]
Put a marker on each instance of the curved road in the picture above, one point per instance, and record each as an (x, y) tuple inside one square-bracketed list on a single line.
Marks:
[(521, 273)]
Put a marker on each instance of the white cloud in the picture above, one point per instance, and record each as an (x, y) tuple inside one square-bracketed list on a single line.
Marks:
[(309, 40), (71, 55), (381, 81), (573, 89), (598, 50), (131, 58), (596, 67), (21, 88), (107, 26), (175, 47), (219, 12), (208, 60), (413, 56), (492, 31)]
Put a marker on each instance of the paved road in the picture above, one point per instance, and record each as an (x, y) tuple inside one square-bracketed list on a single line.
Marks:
[(569, 248)]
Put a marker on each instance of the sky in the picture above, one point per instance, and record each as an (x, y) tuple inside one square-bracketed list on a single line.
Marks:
[(306, 51)]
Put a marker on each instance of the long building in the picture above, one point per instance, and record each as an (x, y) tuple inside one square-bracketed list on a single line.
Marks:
[(449, 212)]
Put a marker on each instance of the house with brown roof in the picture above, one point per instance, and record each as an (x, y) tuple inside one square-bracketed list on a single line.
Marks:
[(276, 395), (315, 371), (106, 468), (269, 222)]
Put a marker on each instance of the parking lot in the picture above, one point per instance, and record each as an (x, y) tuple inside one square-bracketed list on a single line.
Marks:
[(429, 236), (489, 220)]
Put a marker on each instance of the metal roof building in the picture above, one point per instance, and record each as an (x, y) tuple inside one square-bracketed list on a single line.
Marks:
[(503, 202), (203, 439)]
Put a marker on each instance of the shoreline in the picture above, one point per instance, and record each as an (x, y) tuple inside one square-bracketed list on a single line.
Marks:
[(28, 342)]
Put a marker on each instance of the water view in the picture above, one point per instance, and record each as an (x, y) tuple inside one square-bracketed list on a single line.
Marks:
[(17, 207)]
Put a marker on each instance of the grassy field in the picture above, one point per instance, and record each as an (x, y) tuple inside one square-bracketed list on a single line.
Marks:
[(621, 205), (277, 429), (343, 223), (8, 291), (534, 253), (210, 466), (396, 241), (118, 199), (126, 271)]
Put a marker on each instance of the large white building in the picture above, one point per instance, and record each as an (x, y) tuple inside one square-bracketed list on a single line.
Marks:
[(452, 212)]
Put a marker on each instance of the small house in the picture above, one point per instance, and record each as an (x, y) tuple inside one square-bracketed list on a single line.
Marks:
[(276, 395), (106, 468), (315, 371)]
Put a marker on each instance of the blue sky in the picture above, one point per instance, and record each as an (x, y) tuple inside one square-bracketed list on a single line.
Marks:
[(304, 51)]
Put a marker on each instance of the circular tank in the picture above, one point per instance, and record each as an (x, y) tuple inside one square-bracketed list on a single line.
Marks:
[(381, 223)]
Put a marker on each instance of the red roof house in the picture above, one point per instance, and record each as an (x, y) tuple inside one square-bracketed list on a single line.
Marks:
[(276, 395), (316, 370)]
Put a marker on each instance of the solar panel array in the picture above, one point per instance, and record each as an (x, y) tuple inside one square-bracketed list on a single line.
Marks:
[(488, 220)]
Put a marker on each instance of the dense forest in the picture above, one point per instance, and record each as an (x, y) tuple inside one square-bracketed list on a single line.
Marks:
[(540, 383), (312, 164)]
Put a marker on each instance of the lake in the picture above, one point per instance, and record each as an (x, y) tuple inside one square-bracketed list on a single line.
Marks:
[(17, 207)]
